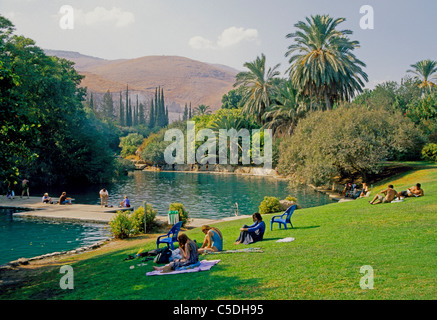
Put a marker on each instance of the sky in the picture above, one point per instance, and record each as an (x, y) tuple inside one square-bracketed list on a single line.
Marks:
[(228, 32)]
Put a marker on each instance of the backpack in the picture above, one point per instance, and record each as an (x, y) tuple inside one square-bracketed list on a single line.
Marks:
[(163, 256)]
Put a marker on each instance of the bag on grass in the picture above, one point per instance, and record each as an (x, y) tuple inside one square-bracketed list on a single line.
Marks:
[(163, 256)]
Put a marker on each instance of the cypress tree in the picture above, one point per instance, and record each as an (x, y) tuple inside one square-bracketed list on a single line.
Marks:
[(130, 113), (141, 117), (127, 106), (152, 115), (189, 115), (91, 103), (121, 111), (185, 116)]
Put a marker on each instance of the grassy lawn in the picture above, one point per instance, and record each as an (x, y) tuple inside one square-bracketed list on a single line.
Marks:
[(332, 243)]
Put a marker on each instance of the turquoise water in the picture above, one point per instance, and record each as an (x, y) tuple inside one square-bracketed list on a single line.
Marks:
[(204, 195), (22, 237)]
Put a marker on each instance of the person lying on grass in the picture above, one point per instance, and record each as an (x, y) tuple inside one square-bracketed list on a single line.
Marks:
[(189, 253), (388, 196), (213, 239), (254, 232), (414, 191)]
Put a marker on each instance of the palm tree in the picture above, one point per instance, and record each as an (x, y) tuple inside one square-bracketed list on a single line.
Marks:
[(202, 110), (423, 70), (286, 110), (322, 64), (257, 86)]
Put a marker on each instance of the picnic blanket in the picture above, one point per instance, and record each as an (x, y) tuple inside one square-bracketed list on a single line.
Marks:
[(203, 265), (245, 250)]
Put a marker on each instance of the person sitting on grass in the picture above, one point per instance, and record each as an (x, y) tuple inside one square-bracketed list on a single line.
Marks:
[(414, 191), (253, 233), (189, 253), (389, 195), (213, 240)]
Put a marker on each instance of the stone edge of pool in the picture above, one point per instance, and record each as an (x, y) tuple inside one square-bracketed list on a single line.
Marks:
[(33, 208)]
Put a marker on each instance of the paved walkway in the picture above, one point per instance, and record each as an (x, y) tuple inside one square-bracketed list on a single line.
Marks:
[(33, 207)]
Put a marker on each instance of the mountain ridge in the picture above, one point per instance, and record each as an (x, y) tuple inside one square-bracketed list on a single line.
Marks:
[(184, 80)]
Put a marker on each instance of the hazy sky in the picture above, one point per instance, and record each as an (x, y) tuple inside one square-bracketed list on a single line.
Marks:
[(229, 32)]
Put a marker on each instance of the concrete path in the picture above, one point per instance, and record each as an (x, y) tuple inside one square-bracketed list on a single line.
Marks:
[(33, 207)]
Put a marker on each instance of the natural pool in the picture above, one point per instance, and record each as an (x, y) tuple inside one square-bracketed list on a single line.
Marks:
[(204, 195), (22, 237)]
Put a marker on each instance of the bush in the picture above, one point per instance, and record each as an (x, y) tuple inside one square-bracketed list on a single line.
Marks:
[(138, 216), (290, 198), (183, 213), (121, 225), (270, 205), (429, 152)]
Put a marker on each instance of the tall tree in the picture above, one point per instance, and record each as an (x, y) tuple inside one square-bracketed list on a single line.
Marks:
[(189, 113), (185, 115), (423, 71), (108, 106), (122, 121), (126, 119), (321, 60), (152, 115), (257, 87)]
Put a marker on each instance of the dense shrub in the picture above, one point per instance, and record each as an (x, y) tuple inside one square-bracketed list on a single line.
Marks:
[(121, 225), (270, 205), (429, 152), (183, 213), (138, 216)]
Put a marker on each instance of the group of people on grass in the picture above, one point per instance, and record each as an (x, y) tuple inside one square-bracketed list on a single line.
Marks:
[(390, 194), (213, 242)]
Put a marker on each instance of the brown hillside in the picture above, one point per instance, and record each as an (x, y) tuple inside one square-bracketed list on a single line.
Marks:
[(183, 80)]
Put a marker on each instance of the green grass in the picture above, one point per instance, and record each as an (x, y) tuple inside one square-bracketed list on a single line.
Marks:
[(397, 240)]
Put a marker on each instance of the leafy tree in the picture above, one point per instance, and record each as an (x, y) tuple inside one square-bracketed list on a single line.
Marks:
[(130, 144), (257, 87), (69, 145), (232, 99), (346, 141), (321, 60)]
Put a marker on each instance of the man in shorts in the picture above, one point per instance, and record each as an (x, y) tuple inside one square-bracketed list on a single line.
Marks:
[(387, 196), (414, 191), (104, 196)]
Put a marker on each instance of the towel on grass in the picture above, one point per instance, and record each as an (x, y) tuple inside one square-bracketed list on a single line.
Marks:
[(286, 240), (245, 250), (203, 265)]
